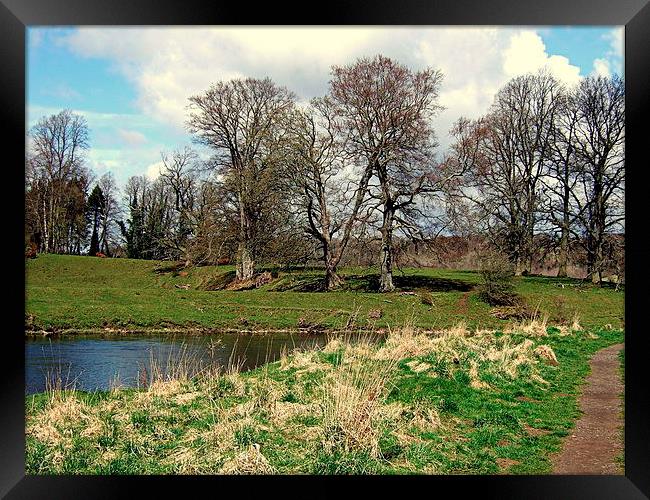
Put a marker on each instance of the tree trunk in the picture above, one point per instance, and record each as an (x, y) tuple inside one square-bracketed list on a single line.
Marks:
[(598, 225), (529, 245), (564, 253), (597, 266), (331, 260), (386, 253), (46, 232), (332, 279), (245, 262), (520, 269), (563, 258)]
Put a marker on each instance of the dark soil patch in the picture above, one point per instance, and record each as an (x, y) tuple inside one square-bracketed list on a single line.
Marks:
[(595, 442)]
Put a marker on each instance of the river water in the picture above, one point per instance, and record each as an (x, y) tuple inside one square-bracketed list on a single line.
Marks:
[(98, 363)]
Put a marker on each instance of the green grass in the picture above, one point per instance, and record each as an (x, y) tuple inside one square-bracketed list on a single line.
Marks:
[(511, 422), (86, 293)]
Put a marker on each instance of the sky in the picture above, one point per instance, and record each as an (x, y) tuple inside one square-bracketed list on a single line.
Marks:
[(132, 84)]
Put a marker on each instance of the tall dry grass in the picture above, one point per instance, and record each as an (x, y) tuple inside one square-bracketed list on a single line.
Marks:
[(353, 394)]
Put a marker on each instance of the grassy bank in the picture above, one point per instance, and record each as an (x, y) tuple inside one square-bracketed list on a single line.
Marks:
[(463, 402), (89, 293)]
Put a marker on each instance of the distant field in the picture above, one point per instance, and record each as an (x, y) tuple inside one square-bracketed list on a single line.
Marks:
[(72, 292)]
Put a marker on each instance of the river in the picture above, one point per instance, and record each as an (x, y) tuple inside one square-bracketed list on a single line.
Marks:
[(97, 363)]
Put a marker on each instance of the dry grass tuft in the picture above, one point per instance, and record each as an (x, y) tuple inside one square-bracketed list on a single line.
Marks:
[(480, 332), (508, 357), (535, 327), (186, 397), (304, 361), (283, 411), (574, 327), (333, 345), (222, 435), (352, 401), (393, 412), (426, 419), (64, 418), (417, 366), (545, 352), (475, 381), (265, 393), (166, 388), (575, 324), (458, 330), (250, 461), (406, 343)]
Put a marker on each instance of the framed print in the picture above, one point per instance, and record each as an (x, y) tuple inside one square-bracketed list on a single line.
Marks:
[(388, 242)]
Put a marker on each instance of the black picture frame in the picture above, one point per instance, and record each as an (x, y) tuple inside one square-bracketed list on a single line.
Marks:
[(16, 15)]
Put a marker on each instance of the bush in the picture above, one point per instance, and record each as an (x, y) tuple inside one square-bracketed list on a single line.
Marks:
[(498, 288)]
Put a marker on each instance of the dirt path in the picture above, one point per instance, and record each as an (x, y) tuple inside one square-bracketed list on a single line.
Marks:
[(461, 305), (596, 438)]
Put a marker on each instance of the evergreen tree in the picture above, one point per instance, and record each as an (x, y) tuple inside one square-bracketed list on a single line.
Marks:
[(96, 207)]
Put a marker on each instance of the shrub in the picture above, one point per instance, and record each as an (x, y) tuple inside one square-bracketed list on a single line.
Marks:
[(498, 287)]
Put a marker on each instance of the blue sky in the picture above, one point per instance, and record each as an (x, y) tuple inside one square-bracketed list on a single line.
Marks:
[(132, 84)]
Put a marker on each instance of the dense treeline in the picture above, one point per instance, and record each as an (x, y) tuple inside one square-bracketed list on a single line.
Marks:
[(352, 172)]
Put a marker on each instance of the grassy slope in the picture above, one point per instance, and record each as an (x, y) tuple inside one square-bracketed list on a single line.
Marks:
[(88, 292), (430, 420)]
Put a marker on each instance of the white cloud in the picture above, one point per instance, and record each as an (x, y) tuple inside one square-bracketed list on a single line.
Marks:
[(153, 170), (601, 68), (616, 38), (115, 144), (131, 137), (616, 52), (527, 53), (169, 64)]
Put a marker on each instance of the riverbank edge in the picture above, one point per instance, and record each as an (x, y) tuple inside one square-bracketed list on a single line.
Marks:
[(105, 332)]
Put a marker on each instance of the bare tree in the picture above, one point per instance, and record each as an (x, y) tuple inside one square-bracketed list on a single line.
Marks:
[(510, 149), (561, 177), (215, 230), (178, 173), (330, 191), (242, 119), (386, 109), (110, 214), (57, 182), (600, 141)]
